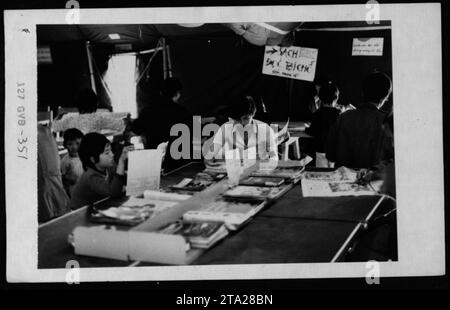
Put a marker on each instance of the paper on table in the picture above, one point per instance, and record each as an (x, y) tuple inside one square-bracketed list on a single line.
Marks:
[(249, 157), (160, 205), (342, 174), (233, 166), (283, 134), (144, 171), (314, 188)]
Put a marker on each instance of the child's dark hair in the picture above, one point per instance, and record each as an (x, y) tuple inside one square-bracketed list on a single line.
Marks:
[(328, 92), (87, 101), (241, 106), (170, 87), (92, 145), (376, 86), (72, 134)]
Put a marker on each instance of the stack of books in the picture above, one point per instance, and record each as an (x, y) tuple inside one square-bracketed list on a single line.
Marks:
[(198, 183), (254, 193), (132, 212), (262, 181), (288, 173), (199, 234), (122, 215), (233, 214)]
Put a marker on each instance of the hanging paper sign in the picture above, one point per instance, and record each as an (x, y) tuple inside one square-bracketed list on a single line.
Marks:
[(292, 62), (367, 47)]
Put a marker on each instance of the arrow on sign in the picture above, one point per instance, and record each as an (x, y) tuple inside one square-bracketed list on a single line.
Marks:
[(273, 51)]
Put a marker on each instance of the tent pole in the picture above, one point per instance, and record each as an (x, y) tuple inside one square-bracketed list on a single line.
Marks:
[(164, 58), (91, 70), (169, 61)]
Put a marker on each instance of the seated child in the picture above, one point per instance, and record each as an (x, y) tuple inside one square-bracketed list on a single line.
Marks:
[(71, 166), (101, 177)]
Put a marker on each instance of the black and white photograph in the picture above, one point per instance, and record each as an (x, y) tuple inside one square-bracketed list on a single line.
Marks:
[(232, 143)]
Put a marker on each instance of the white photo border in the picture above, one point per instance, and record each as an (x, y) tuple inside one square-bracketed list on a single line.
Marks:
[(417, 79)]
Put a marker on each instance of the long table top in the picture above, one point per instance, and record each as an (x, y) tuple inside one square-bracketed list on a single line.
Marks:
[(293, 229)]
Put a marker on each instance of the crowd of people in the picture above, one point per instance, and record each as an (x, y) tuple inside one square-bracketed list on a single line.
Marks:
[(95, 167)]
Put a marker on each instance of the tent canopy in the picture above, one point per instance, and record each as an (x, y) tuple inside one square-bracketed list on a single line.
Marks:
[(143, 36)]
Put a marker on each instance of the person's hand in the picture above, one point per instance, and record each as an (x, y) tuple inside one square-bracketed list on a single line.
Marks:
[(365, 175), (127, 120), (125, 150), (123, 156), (211, 162), (361, 173), (60, 115)]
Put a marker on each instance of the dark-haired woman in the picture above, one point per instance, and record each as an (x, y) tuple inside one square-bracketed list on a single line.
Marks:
[(242, 132)]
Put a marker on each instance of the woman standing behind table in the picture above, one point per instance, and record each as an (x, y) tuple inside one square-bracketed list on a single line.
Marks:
[(243, 132), (322, 120)]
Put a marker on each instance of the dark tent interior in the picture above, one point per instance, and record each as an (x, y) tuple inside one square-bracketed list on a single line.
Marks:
[(213, 62)]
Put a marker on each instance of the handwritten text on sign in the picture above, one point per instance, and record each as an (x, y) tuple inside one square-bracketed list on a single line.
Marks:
[(292, 62), (367, 47)]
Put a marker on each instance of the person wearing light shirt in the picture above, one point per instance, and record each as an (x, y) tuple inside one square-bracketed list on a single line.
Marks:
[(242, 132)]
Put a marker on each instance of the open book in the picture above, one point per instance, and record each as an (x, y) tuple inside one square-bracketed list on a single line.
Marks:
[(254, 193)]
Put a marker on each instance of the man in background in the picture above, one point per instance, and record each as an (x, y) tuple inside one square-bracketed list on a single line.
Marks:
[(357, 139)]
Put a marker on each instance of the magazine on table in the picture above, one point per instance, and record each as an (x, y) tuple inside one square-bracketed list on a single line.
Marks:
[(262, 181), (132, 212), (122, 215), (232, 213), (198, 234), (198, 183), (189, 184), (342, 174), (288, 173), (255, 193)]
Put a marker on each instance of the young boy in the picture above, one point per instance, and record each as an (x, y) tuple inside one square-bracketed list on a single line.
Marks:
[(71, 166), (101, 177)]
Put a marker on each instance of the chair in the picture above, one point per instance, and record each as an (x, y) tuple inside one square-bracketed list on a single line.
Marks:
[(67, 110)]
